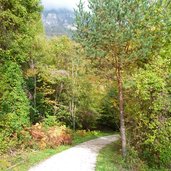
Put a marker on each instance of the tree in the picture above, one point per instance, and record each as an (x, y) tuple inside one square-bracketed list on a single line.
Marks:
[(20, 21), (19, 24), (14, 110), (125, 31), (149, 108)]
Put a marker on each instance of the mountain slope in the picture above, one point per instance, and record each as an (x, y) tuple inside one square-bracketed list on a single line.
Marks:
[(58, 22)]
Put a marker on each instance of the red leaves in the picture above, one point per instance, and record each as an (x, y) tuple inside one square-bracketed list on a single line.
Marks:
[(51, 137)]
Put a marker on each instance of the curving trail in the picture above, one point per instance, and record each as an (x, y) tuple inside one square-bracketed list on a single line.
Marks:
[(79, 158)]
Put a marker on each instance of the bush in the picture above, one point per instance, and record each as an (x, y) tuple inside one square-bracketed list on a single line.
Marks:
[(109, 114), (133, 162), (50, 137), (157, 150), (50, 121), (81, 133), (87, 119), (148, 113), (14, 111), (16, 140)]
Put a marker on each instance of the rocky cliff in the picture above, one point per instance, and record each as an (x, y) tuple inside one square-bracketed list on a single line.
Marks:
[(58, 22)]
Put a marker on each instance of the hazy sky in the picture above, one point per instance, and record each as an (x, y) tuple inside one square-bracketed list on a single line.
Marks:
[(60, 3)]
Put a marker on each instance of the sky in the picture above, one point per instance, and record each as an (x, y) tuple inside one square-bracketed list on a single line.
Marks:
[(71, 4)]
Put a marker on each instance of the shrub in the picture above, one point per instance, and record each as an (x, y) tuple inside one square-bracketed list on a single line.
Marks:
[(158, 151), (50, 121), (133, 162), (14, 111), (4, 164), (148, 113), (81, 133), (50, 137)]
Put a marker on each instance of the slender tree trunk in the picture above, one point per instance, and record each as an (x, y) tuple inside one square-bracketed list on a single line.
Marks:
[(56, 100), (121, 109), (72, 98), (35, 91), (32, 66), (73, 113)]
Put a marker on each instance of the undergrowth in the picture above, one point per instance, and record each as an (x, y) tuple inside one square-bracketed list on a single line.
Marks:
[(23, 159), (110, 159)]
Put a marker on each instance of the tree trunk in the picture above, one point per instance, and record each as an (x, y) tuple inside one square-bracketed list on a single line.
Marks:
[(73, 113), (121, 109), (32, 66), (56, 100), (35, 92), (72, 98)]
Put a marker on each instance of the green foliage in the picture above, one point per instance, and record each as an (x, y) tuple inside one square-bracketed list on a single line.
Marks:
[(50, 121), (149, 112), (87, 105), (133, 40), (18, 27), (131, 32), (109, 113), (14, 111), (22, 160), (64, 116), (83, 135), (20, 21), (133, 161), (109, 159), (44, 136), (64, 86), (58, 84)]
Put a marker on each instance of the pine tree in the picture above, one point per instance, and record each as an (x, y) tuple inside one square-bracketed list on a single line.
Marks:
[(126, 31)]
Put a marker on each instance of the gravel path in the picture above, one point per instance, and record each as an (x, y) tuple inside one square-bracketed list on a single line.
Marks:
[(79, 158)]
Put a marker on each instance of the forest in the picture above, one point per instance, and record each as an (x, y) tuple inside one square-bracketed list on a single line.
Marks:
[(114, 74)]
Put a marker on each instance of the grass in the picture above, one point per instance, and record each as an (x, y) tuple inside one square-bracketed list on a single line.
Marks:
[(26, 159), (91, 135), (110, 159), (23, 160)]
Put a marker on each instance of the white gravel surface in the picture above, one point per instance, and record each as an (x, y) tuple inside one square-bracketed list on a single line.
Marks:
[(79, 158)]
